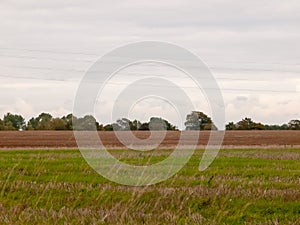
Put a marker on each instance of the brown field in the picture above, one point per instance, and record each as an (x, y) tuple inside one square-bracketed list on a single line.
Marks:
[(257, 185), (65, 139)]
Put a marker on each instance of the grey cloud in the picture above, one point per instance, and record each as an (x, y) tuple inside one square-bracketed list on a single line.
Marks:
[(241, 98), (226, 34)]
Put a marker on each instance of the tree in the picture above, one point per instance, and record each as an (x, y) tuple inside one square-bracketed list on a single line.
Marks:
[(258, 126), (126, 124), (13, 122), (101, 128), (44, 121), (160, 124), (44, 117), (274, 127), (199, 121), (230, 126), (69, 121), (108, 127), (248, 124), (284, 127), (122, 124), (2, 127), (294, 125), (170, 126), (157, 124), (58, 124), (88, 122), (136, 125), (144, 126), (32, 124), (245, 124)]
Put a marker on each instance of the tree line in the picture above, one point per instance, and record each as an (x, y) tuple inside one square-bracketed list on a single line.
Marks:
[(45, 121), (194, 121), (249, 124)]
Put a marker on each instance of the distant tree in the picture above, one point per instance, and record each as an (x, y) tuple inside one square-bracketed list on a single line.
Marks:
[(245, 124), (284, 127), (108, 127), (116, 127), (13, 122), (58, 124), (44, 117), (135, 125), (144, 126), (248, 124), (294, 125), (88, 122), (199, 121), (194, 121), (2, 127), (32, 124), (69, 121), (101, 128), (126, 124), (170, 126), (41, 122), (273, 127), (44, 121), (230, 126), (122, 124), (277, 127), (157, 123), (258, 126)]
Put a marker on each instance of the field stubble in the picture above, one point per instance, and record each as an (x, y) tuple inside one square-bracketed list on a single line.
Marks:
[(242, 186)]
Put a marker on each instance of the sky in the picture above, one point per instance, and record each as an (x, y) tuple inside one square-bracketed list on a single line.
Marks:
[(251, 48)]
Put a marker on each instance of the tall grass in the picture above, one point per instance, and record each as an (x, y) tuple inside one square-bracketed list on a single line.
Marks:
[(255, 186)]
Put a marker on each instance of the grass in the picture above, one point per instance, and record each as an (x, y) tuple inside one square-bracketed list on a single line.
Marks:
[(242, 186)]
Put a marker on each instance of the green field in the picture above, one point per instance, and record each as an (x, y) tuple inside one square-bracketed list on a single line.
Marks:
[(242, 186)]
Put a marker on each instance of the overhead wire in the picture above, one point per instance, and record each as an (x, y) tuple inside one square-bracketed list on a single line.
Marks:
[(127, 73), (152, 85), (49, 51)]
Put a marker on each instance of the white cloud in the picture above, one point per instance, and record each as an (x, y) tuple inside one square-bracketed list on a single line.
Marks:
[(20, 106), (298, 86)]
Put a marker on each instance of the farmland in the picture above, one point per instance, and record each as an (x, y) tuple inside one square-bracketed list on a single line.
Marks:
[(249, 185), (65, 139)]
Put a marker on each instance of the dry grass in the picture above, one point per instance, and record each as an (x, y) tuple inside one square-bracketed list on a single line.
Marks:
[(241, 187)]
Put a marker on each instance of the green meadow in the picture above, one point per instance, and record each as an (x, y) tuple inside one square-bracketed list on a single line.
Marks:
[(242, 186)]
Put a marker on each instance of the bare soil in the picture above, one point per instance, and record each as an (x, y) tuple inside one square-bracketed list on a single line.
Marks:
[(66, 139)]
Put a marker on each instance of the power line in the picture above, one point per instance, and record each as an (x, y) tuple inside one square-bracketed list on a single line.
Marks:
[(152, 85), (255, 62), (44, 68), (222, 89), (34, 78), (148, 65), (126, 73), (90, 61), (97, 55), (149, 74), (49, 51), (46, 58)]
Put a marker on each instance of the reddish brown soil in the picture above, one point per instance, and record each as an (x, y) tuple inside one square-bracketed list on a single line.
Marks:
[(65, 139)]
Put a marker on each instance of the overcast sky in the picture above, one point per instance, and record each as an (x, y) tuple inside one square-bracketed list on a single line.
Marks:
[(252, 48)]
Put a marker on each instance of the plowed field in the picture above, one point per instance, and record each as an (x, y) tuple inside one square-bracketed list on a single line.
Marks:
[(66, 139)]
